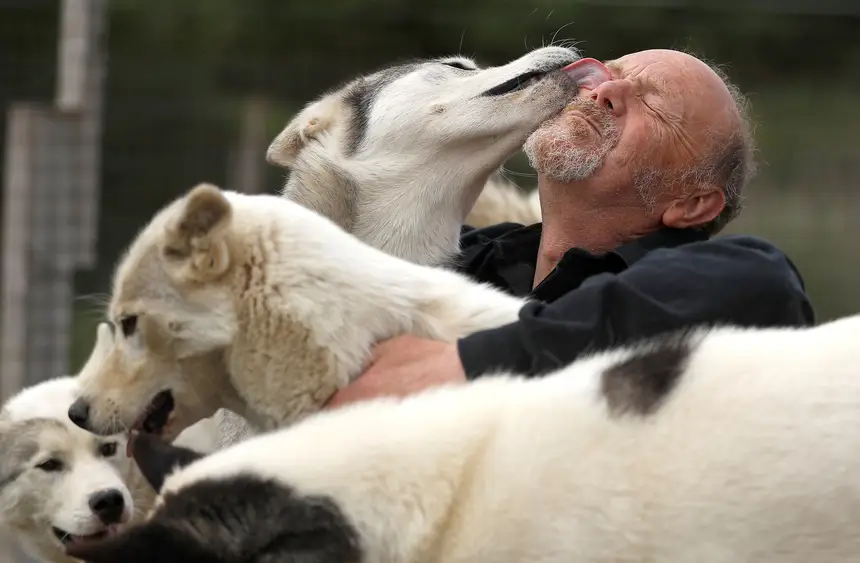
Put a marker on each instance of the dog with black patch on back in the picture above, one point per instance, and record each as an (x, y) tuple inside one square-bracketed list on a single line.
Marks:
[(720, 445), (259, 305), (399, 157), (61, 485)]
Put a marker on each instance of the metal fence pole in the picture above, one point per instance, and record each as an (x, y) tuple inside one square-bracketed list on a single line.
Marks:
[(51, 191), (50, 219)]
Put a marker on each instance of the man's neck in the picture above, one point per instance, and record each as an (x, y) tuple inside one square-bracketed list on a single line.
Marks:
[(572, 221)]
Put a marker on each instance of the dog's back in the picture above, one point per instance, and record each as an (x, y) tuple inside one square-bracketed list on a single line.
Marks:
[(724, 446), (741, 447)]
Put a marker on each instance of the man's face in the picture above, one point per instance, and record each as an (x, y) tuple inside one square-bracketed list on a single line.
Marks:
[(574, 144), (653, 110)]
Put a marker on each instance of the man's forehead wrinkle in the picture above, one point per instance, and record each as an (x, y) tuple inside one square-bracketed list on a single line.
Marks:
[(644, 75)]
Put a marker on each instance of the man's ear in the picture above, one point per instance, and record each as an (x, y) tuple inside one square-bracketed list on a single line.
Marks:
[(157, 459), (697, 208), (197, 236), (315, 119)]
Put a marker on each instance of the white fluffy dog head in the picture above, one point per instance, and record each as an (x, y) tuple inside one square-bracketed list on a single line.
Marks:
[(59, 484)]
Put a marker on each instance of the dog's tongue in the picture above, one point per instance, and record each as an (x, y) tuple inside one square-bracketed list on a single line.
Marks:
[(129, 445), (136, 428), (588, 73)]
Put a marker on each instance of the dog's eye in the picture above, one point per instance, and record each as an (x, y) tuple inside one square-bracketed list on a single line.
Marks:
[(173, 253), (128, 325), (457, 64), (51, 465), (108, 449)]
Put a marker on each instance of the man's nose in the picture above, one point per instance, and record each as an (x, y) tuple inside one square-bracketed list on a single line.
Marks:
[(611, 95)]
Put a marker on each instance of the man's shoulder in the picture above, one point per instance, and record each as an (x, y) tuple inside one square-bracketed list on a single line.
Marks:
[(753, 259), (745, 243), (747, 275), (748, 247)]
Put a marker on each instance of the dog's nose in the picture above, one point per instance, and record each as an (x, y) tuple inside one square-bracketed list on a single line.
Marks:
[(108, 505), (79, 412)]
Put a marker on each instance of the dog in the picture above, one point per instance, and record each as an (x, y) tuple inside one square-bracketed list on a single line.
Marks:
[(259, 305), (61, 485), (399, 157), (714, 445)]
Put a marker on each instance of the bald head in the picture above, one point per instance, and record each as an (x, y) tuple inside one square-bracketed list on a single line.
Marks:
[(663, 127), (689, 88), (712, 114)]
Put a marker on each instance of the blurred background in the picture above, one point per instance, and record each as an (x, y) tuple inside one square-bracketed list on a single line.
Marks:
[(113, 108), (121, 105)]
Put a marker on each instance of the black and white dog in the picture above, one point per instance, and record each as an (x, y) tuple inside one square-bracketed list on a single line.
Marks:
[(713, 446)]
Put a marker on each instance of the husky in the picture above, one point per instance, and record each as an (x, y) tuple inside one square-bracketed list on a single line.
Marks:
[(61, 485), (261, 306), (713, 445), (399, 157)]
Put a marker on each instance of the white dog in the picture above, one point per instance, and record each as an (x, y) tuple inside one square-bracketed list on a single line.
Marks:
[(714, 446), (259, 305), (61, 485), (399, 157)]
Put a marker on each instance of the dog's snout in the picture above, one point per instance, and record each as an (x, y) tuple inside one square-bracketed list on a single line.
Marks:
[(108, 505), (79, 412)]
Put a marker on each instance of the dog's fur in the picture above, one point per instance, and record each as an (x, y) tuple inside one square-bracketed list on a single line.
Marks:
[(34, 425), (399, 157), (261, 306), (715, 446), (36, 498), (503, 201)]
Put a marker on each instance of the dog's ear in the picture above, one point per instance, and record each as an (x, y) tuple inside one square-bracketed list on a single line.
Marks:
[(315, 119), (197, 237), (157, 459), (151, 542), (283, 150), (9, 452)]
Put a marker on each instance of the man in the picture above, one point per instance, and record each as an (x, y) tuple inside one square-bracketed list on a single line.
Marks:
[(634, 178)]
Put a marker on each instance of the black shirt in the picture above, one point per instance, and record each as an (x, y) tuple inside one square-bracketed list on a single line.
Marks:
[(665, 281)]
